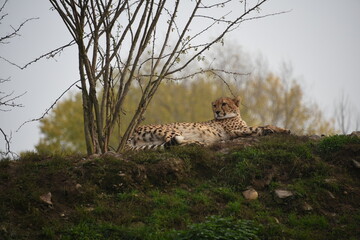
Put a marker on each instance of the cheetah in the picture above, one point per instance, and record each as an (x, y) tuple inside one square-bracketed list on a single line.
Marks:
[(227, 124)]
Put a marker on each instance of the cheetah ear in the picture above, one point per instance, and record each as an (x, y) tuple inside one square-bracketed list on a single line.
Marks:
[(237, 101)]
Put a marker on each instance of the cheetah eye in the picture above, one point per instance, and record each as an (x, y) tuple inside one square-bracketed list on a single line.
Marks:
[(223, 104), (214, 105)]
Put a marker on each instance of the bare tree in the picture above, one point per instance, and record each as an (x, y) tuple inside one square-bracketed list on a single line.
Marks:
[(343, 114), (8, 100), (117, 40)]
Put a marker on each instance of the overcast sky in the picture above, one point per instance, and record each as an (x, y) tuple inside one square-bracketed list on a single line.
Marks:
[(320, 38)]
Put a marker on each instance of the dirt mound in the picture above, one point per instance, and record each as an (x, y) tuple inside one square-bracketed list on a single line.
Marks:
[(305, 189)]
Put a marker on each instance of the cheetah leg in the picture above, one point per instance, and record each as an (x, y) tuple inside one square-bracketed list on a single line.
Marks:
[(180, 140), (260, 131), (173, 138), (269, 129)]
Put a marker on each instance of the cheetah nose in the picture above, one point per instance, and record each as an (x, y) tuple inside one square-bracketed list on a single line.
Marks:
[(217, 112)]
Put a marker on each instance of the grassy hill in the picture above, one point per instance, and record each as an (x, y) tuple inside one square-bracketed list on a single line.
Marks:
[(188, 192)]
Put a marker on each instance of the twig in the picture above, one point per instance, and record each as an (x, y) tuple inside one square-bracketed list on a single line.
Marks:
[(50, 54), (224, 81), (214, 71), (7, 142), (10, 102), (51, 107), (7, 145), (16, 30)]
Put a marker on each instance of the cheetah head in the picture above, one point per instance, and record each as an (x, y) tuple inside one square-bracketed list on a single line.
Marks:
[(226, 107)]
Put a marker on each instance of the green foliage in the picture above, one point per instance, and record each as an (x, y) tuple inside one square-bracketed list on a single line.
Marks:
[(63, 129), (332, 144), (220, 228)]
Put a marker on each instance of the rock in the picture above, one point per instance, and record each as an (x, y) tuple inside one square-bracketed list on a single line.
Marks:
[(331, 180), (46, 198), (330, 194), (89, 209), (283, 193), (355, 133), (307, 207), (355, 163), (250, 194), (78, 186)]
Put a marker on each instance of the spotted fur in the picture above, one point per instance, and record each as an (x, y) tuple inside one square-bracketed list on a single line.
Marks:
[(227, 124)]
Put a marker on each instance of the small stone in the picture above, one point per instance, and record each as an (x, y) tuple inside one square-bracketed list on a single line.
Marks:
[(283, 193), (78, 186), (356, 163), (307, 207), (89, 209), (250, 194), (46, 198), (330, 180), (331, 195)]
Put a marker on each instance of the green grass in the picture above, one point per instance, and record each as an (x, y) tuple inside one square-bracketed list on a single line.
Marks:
[(335, 143), (220, 228)]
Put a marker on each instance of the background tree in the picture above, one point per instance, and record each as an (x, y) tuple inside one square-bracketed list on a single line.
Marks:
[(116, 39), (344, 114), (266, 99)]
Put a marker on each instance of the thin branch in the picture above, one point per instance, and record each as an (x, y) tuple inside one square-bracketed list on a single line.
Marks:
[(10, 102), (220, 36), (265, 16), (7, 143), (221, 4), (50, 54), (224, 81), (3, 6), (16, 30), (50, 108), (2, 80), (202, 71)]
